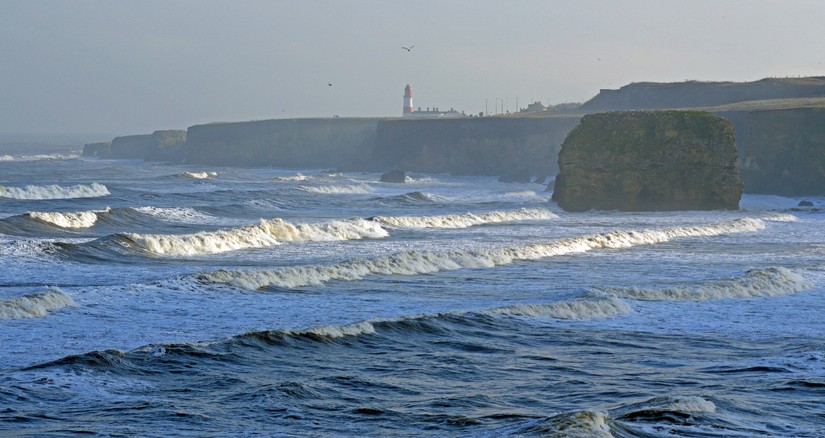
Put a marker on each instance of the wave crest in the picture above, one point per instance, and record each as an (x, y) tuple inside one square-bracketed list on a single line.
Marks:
[(267, 233), (35, 305), (197, 175), (81, 219), (93, 190), (573, 309), (464, 220), (772, 281), (353, 189), (414, 262)]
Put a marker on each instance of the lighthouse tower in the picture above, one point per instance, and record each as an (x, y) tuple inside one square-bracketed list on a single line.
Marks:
[(408, 106)]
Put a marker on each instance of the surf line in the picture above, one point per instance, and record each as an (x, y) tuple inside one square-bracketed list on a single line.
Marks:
[(427, 262)]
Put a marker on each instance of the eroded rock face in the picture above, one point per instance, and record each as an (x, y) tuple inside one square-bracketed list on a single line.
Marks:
[(645, 161)]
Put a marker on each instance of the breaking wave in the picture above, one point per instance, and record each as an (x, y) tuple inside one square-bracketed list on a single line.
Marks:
[(464, 220), (415, 262), (574, 424), (35, 305), (354, 189), (82, 219), (573, 309), (93, 190), (56, 156), (197, 175), (298, 177), (177, 214), (267, 233), (772, 281)]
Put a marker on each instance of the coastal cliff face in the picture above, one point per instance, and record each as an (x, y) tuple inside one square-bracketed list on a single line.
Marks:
[(165, 145), (100, 150), (694, 94), (293, 143), (472, 146), (783, 152), (643, 161)]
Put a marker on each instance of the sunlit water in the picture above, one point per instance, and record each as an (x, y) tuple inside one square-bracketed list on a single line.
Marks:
[(143, 299)]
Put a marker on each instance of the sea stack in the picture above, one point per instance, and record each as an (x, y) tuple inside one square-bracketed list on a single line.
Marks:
[(649, 161)]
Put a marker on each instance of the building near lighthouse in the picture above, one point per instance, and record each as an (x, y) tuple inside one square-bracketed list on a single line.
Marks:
[(408, 110)]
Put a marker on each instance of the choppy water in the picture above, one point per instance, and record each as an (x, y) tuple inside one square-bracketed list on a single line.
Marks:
[(141, 299)]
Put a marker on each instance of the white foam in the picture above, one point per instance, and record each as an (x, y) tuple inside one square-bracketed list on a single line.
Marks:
[(781, 217), (35, 305), (576, 424), (93, 190), (353, 189), (772, 281), (414, 262), (267, 233), (335, 332), (198, 175), (298, 177), (465, 220), (573, 309), (55, 156), (177, 214), (81, 219)]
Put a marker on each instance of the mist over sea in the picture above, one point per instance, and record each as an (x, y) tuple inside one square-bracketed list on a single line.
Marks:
[(146, 299)]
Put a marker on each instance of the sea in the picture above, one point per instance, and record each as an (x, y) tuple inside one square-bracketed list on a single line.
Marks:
[(164, 300)]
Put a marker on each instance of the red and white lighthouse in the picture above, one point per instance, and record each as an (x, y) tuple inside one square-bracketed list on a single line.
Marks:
[(408, 106)]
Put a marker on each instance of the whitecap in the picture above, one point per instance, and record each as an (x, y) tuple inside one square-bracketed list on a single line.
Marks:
[(464, 220), (35, 305), (54, 192), (81, 219)]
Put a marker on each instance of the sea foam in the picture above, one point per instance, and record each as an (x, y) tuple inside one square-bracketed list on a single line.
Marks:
[(771, 281), (197, 175), (267, 233), (572, 309), (54, 192), (415, 262), (353, 189), (464, 220), (35, 305), (81, 219)]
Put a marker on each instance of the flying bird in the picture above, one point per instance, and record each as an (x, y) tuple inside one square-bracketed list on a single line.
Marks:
[(408, 48), (330, 84)]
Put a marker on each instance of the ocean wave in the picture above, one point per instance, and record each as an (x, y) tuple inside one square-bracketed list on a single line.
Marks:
[(177, 214), (82, 219), (294, 178), (780, 217), (197, 175), (267, 233), (572, 309), (415, 262), (55, 156), (464, 220), (665, 408), (772, 281), (574, 424), (352, 189), (35, 305), (93, 190)]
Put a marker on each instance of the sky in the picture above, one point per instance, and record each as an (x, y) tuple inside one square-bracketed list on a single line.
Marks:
[(133, 67)]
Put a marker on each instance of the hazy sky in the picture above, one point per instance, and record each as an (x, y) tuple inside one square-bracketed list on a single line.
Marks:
[(131, 67)]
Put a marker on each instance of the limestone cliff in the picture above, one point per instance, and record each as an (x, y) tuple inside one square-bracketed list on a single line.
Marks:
[(472, 146), (165, 145), (783, 152), (295, 143), (642, 161)]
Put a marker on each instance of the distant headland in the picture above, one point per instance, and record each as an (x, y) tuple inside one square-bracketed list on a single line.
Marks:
[(779, 125)]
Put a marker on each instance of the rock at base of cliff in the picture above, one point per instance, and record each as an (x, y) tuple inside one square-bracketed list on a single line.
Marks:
[(649, 161), (394, 176)]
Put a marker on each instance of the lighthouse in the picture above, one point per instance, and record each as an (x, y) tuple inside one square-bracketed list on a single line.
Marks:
[(408, 106)]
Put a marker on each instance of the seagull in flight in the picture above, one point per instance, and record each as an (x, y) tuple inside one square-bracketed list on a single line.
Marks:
[(408, 48)]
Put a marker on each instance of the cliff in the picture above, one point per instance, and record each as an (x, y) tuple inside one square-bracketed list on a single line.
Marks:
[(642, 161), (166, 145), (100, 150), (783, 152), (472, 146), (695, 94), (295, 143)]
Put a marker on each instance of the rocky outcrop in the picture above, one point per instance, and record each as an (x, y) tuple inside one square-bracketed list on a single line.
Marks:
[(100, 150), (783, 152), (642, 161), (492, 146), (293, 143), (694, 94), (165, 145), (394, 176)]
